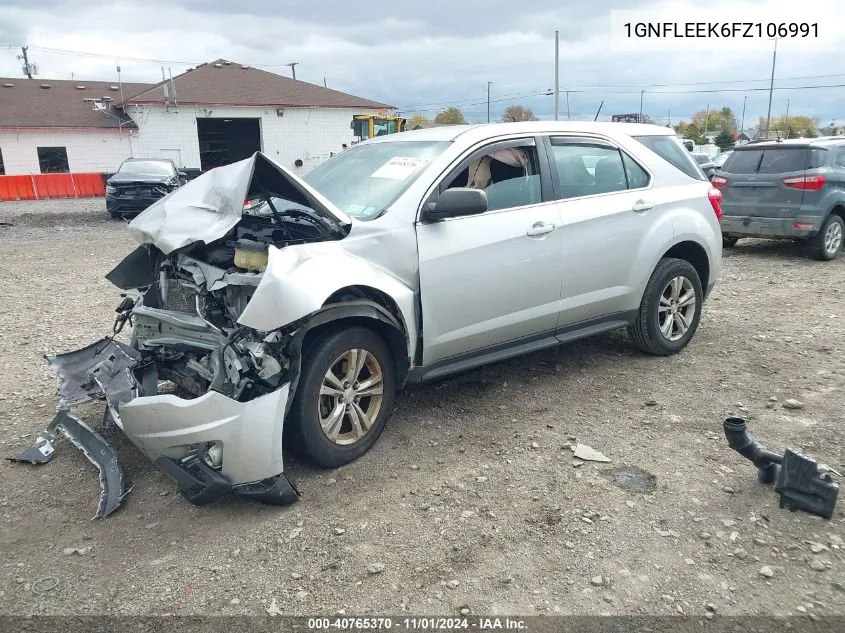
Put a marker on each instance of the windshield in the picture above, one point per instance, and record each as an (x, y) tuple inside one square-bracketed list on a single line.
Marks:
[(364, 180), (147, 168), (702, 159)]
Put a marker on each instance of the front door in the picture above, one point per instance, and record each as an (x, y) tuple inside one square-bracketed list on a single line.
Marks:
[(494, 278)]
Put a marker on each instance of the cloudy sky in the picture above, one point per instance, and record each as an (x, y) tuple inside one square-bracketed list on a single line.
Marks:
[(425, 56)]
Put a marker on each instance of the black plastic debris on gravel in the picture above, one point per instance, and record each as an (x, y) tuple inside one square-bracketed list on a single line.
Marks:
[(632, 479)]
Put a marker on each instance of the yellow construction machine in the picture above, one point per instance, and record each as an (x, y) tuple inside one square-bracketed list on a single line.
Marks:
[(369, 126)]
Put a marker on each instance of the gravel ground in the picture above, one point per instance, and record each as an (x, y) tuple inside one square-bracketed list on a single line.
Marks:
[(471, 499)]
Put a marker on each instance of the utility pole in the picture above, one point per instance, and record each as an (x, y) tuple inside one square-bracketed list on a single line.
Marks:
[(742, 125), (557, 76), (568, 118), (640, 118), (488, 101), (669, 119), (293, 66), (27, 69), (771, 87), (706, 120), (786, 122)]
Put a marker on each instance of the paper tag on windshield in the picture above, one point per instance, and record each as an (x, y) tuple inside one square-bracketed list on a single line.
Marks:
[(398, 168)]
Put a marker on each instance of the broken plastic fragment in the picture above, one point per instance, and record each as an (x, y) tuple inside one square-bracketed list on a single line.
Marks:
[(587, 453)]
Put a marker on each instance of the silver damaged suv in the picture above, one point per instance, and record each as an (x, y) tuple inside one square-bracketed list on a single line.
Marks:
[(294, 320)]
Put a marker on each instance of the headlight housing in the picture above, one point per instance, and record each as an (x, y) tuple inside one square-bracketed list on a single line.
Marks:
[(111, 189)]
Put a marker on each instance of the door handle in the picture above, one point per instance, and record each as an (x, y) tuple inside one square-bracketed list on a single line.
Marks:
[(540, 228), (642, 205)]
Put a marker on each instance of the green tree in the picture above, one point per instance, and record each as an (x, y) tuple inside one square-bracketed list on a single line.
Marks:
[(793, 126), (418, 119), (518, 113), (691, 131), (715, 120), (725, 140), (450, 116)]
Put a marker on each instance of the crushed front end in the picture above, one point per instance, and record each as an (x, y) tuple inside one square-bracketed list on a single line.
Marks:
[(203, 396)]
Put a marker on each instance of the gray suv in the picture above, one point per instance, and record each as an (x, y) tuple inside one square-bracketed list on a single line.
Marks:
[(786, 189)]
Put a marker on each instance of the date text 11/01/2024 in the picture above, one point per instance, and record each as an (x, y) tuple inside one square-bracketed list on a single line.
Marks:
[(701, 30), (418, 624)]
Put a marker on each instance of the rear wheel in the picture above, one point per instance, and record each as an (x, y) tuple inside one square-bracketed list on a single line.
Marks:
[(827, 243), (729, 241), (670, 309), (344, 398)]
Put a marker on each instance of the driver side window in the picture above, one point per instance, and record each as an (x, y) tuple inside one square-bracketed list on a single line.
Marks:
[(510, 176)]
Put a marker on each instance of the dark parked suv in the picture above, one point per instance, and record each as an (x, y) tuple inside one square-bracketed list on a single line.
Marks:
[(786, 189), (139, 182)]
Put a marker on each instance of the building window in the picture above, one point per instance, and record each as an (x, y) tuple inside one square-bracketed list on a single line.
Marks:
[(2, 167), (53, 160)]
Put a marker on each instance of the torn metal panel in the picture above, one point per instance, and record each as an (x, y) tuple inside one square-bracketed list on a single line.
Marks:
[(102, 369), (300, 279), (208, 207)]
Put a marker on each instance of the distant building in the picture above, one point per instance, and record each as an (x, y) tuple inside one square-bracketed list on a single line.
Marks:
[(211, 115), (832, 130)]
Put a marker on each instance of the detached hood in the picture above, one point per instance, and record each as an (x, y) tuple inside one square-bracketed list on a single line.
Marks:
[(208, 207)]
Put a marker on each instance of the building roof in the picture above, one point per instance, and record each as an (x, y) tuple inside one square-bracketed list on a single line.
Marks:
[(226, 83), (55, 103)]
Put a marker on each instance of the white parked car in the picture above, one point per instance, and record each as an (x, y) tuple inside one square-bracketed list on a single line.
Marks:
[(405, 258)]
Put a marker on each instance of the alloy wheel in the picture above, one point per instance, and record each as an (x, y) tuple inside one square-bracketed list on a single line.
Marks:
[(677, 307), (350, 396), (833, 238)]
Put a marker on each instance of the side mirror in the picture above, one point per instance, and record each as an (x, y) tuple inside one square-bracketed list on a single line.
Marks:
[(456, 202), (182, 174)]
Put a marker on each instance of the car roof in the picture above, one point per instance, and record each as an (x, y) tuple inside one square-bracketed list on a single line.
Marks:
[(148, 160), (798, 143), (481, 131)]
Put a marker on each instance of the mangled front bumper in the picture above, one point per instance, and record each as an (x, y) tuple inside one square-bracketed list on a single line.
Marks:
[(209, 445)]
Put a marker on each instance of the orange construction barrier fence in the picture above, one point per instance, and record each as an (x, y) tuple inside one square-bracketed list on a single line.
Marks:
[(40, 186)]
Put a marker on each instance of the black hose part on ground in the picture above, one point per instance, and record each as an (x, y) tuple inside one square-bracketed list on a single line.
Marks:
[(797, 478), (765, 460)]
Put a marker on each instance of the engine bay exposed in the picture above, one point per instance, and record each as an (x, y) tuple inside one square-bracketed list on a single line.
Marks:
[(185, 318)]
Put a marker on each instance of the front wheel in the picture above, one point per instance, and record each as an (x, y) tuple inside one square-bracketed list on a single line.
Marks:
[(670, 309), (827, 244), (344, 398)]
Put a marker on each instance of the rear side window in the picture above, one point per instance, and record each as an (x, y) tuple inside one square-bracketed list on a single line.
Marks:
[(672, 150), (586, 167), (770, 160)]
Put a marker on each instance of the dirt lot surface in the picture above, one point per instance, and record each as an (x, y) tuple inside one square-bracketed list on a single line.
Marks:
[(471, 498)]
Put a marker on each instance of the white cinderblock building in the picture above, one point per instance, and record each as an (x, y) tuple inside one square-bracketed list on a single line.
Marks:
[(211, 115)]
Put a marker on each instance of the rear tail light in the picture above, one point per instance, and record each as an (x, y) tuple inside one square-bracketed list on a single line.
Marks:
[(808, 183), (715, 197), (718, 181), (804, 226)]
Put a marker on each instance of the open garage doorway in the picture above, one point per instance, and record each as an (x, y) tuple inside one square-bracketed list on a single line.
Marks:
[(225, 141)]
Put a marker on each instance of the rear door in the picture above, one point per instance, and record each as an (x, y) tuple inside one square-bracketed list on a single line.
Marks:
[(607, 204), (755, 181)]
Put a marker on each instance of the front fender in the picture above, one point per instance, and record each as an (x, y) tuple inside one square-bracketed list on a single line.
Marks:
[(299, 279)]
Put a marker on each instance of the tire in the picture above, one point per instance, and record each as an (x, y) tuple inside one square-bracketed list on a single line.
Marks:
[(310, 409), (645, 331), (827, 243), (729, 241)]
